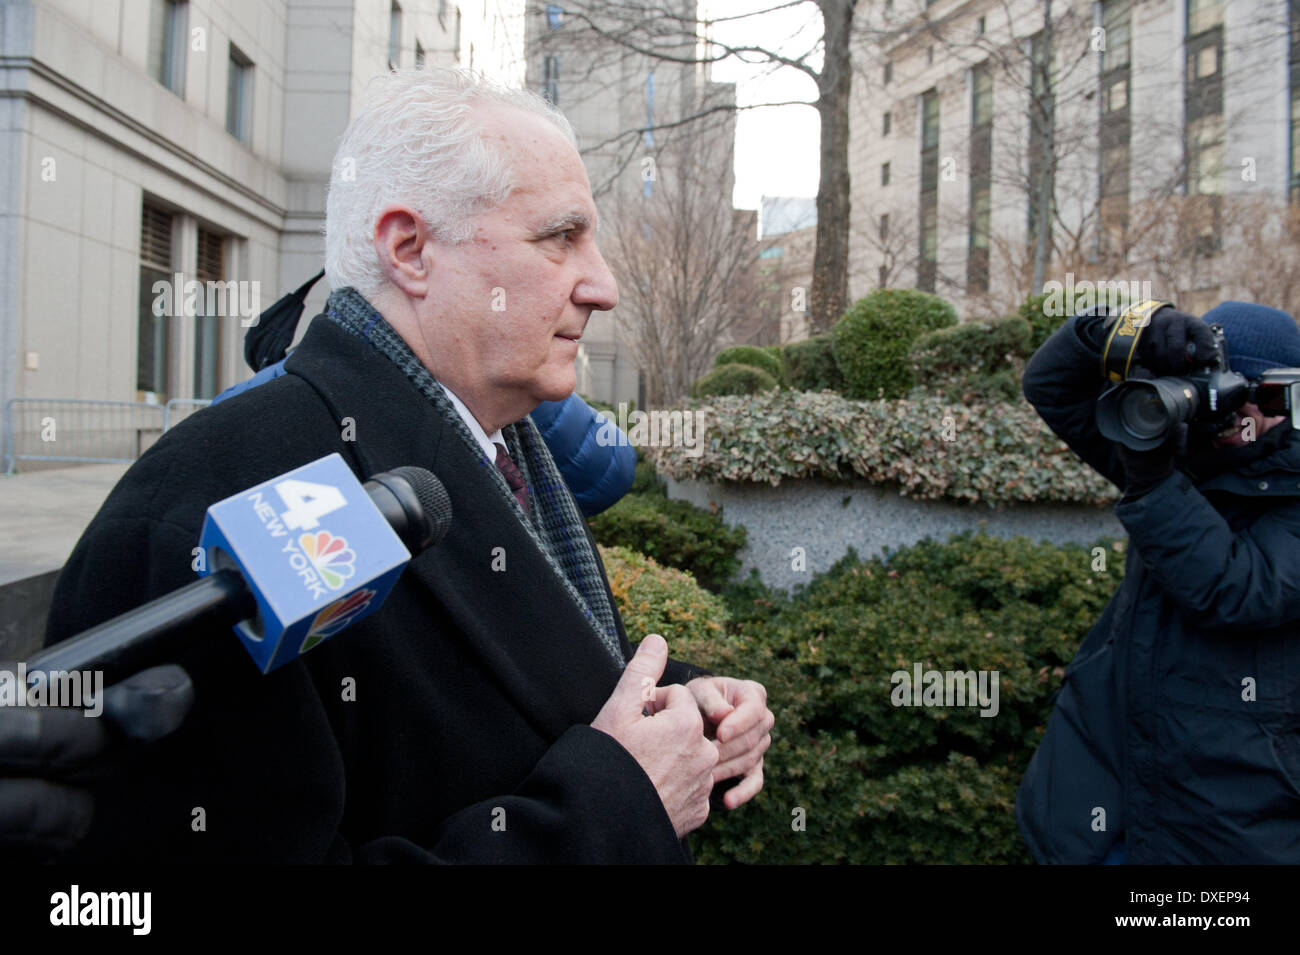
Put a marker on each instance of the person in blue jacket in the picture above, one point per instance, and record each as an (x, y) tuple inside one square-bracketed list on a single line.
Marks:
[(597, 474), (1175, 736)]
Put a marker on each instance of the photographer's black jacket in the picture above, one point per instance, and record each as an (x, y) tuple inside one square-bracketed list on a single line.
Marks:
[(1180, 715), (472, 687)]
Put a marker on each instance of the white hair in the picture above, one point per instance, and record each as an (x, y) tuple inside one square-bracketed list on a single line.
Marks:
[(416, 141)]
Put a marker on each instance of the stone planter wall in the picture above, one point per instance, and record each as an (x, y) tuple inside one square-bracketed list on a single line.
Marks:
[(826, 518)]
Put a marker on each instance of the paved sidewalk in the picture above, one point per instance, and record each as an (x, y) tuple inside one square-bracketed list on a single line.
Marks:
[(42, 515)]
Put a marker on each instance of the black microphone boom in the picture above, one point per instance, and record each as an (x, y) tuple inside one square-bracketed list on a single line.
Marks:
[(411, 499)]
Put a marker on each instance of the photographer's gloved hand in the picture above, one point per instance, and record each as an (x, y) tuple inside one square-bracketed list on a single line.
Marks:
[(1143, 470), (43, 749), (1175, 343)]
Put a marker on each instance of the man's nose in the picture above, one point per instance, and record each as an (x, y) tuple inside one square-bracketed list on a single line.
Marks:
[(598, 288)]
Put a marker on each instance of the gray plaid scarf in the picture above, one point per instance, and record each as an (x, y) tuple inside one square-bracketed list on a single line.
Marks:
[(556, 525)]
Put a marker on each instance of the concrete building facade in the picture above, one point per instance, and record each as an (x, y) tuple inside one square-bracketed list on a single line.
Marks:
[(1158, 107), (147, 141)]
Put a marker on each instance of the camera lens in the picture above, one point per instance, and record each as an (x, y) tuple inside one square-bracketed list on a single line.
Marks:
[(1142, 413)]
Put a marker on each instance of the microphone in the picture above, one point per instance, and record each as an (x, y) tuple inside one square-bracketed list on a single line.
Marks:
[(284, 593)]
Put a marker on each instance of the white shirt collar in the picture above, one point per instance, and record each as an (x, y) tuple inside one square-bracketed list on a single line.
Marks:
[(485, 441)]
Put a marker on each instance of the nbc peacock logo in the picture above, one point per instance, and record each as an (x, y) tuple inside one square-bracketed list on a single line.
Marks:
[(335, 617), (330, 555)]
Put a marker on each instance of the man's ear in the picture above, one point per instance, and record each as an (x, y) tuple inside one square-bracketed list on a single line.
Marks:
[(403, 242)]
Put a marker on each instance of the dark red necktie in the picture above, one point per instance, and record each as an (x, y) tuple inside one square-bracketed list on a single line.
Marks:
[(510, 472)]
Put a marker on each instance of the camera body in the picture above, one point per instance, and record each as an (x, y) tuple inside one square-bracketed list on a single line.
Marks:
[(1140, 413)]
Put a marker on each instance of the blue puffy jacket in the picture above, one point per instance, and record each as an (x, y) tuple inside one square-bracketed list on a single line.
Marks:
[(597, 474)]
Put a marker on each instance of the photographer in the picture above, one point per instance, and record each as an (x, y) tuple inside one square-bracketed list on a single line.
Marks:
[(1176, 733)]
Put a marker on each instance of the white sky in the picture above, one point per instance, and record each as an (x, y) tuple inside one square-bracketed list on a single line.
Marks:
[(776, 147)]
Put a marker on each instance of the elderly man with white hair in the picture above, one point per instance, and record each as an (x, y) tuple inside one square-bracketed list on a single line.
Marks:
[(492, 709)]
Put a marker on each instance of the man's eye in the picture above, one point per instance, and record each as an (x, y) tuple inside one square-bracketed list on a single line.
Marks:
[(566, 236)]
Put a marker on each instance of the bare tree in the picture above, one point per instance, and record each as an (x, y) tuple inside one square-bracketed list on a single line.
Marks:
[(669, 31), (687, 269)]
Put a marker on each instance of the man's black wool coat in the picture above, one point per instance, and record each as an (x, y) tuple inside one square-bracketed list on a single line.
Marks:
[(474, 688)]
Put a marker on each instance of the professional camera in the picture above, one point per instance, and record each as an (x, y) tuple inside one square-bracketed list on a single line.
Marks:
[(1140, 413)]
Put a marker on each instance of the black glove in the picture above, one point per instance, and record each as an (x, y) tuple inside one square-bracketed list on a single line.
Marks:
[(1175, 343), (43, 749), (1143, 470)]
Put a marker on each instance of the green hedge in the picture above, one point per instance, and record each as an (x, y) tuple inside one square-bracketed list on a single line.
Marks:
[(884, 784), (751, 355), (973, 360), (810, 365), (733, 380), (652, 598), (929, 448), (1035, 311), (873, 338), (676, 533)]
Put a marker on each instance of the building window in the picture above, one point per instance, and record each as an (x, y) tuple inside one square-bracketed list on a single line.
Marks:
[(419, 55), (239, 95), (456, 40), (152, 371), (1205, 155), (979, 27), (168, 29), (1203, 106), (884, 227), (1203, 15), (554, 17), (929, 56), (929, 198), (551, 80), (394, 36), (884, 174), (885, 124), (889, 71), (981, 166), (1115, 24), (208, 328)]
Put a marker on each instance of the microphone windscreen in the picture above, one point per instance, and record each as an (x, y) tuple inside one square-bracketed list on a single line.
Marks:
[(432, 496)]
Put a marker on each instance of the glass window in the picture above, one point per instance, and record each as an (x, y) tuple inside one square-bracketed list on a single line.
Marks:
[(155, 266), (1203, 15), (207, 327), (884, 174), (1115, 22), (886, 123), (168, 32), (1117, 95), (929, 119), (982, 98), (239, 98)]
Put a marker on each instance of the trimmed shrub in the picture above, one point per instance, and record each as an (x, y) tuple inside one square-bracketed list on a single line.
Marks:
[(810, 365), (647, 480), (929, 448), (874, 336), (973, 360), (652, 598), (675, 533), (750, 355), (733, 380), (884, 783), (1045, 314)]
